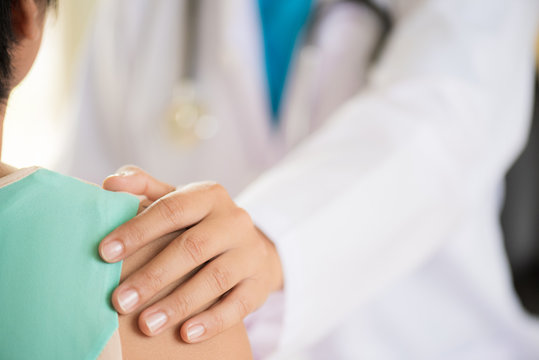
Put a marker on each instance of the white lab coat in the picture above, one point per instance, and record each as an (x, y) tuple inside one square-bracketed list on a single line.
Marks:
[(382, 195)]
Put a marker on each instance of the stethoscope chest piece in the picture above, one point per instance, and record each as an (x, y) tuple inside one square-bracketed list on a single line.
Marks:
[(188, 120)]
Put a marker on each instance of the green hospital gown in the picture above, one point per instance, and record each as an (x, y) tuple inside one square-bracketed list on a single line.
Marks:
[(54, 288)]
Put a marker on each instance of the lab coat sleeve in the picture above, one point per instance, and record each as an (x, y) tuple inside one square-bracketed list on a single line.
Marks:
[(380, 187)]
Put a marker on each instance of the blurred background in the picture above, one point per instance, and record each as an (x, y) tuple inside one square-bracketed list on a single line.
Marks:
[(43, 126), (520, 217)]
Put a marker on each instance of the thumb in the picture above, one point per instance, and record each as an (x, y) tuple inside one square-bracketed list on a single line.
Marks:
[(136, 181)]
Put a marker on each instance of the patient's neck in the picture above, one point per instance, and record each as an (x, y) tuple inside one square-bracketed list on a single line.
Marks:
[(2, 116), (4, 168)]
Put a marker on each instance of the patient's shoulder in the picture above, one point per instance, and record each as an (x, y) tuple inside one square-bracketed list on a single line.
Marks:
[(52, 281)]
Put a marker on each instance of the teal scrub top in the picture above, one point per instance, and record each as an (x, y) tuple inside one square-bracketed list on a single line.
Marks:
[(54, 288), (282, 22)]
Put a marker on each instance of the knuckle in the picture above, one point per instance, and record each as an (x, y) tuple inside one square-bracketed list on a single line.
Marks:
[(242, 216), (193, 246), (263, 249), (181, 306), (176, 245), (218, 189), (170, 209), (133, 235), (220, 279), (218, 321), (243, 306), (152, 279)]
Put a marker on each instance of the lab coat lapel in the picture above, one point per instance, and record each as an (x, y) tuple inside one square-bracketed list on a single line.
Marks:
[(328, 72), (243, 71)]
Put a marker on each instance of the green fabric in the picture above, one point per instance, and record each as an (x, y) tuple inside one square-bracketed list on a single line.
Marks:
[(54, 289)]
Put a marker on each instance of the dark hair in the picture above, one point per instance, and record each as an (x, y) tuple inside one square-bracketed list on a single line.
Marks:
[(7, 42)]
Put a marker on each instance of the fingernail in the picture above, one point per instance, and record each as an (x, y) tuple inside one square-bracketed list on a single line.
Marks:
[(195, 331), (112, 250), (125, 173), (128, 299), (156, 321)]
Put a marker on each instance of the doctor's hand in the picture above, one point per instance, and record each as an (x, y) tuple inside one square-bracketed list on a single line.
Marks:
[(238, 266)]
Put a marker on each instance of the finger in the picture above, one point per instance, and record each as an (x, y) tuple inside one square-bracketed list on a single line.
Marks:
[(231, 310), (188, 251), (207, 286), (136, 181), (170, 213)]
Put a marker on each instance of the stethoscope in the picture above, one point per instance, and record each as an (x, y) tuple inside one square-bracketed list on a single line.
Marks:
[(188, 118)]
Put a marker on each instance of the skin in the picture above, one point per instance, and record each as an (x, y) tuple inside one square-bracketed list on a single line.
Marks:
[(238, 265), (28, 21), (232, 344)]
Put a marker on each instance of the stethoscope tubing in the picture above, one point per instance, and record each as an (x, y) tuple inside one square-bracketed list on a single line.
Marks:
[(324, 7), (189, 48)]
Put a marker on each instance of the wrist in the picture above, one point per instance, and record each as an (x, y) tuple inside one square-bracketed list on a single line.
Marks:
[(274, 262)]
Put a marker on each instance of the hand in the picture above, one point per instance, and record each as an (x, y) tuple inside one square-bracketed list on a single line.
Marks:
[(240, 266)]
